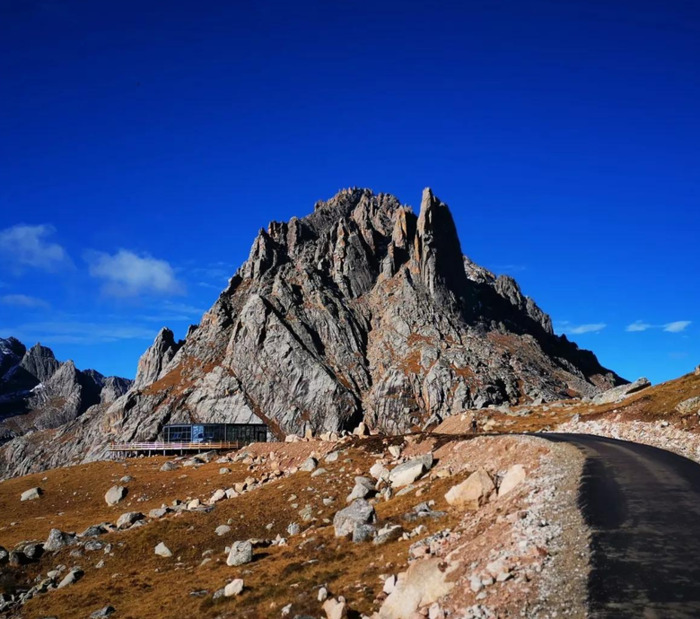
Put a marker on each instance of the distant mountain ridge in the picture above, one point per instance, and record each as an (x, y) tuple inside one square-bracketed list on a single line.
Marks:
[(38, 392), (359, 311)]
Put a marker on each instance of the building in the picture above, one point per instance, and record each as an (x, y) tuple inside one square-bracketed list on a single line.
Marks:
[(215, 433)]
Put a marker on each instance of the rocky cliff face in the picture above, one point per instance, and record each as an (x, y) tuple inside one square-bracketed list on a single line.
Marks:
[(359, 311), (37, 392)]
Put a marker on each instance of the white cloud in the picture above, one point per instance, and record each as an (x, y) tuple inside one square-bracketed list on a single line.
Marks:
[(23, 300), (677, 326), (638, 325), (28, 246), (127, 274), (587, 328)]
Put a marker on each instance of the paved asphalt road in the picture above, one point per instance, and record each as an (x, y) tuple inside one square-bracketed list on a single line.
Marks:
[(643, 506)]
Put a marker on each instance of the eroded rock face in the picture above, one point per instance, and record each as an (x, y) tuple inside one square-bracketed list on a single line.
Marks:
[(361, 311)]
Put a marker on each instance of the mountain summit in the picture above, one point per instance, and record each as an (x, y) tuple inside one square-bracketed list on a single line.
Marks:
[(360, 311)]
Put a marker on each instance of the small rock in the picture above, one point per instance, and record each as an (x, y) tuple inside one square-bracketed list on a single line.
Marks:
[(395, 451), (163, 551), (223, 470), (222, 529), (105, 611), (233, 588), (322, 594), (71, 578), (169, 466), (31, 494), (126, 479)]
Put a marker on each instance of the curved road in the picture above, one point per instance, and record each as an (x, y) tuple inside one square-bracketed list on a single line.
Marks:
[(643, 506)]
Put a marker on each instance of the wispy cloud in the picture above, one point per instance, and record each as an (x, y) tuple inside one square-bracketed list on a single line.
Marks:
[(23, 300), (127, 274), (508, 268), (677, 326), (25, 246), (638, 325), (564, 326), (78, 332), (593, 327), (670, 327)]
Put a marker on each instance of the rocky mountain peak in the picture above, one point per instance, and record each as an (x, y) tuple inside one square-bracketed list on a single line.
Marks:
[(154, 360), (361, 309), (40, 362)]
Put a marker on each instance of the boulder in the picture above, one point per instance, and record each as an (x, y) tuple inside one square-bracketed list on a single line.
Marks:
[(235, 587), (128, 519), (363, 487), (58, 539), (422, 584), (388, 533), (94, 530), (359, 512), (219, 495), (691, 405), (379, 471), (31, 494), (162, 550), (363, 533), (616, 394), (4, 556), (309, 465), (335, 609), (240, 554), (71, 578), (406, 473), (105, 611), (394, 451), (169, 466), (472, 492), (514, 476), (157, 512), (115, 494)]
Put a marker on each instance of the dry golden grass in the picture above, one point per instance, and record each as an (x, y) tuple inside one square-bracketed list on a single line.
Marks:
[(140, 584)]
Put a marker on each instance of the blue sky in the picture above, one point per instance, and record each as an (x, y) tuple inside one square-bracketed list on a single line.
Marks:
[(144, 144)]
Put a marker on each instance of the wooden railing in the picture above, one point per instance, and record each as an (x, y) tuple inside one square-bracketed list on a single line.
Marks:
[(162, 446)]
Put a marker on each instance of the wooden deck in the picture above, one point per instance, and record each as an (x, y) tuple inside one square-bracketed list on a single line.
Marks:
[(169, 448)]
